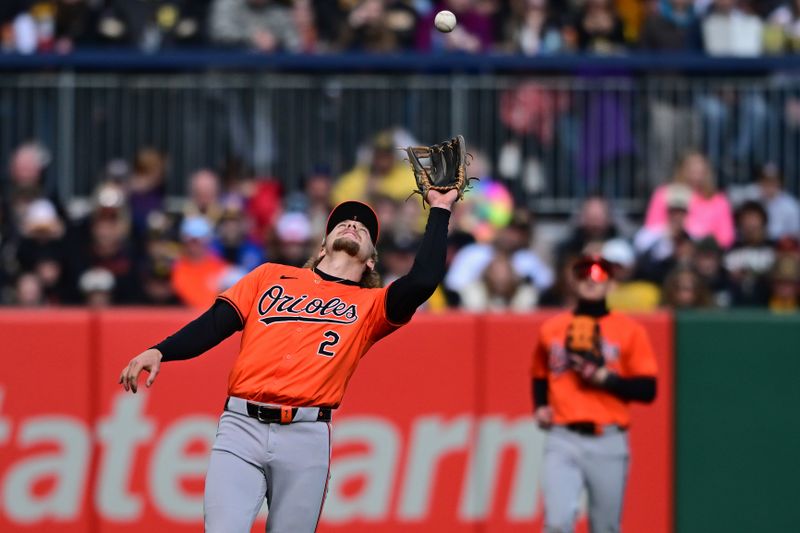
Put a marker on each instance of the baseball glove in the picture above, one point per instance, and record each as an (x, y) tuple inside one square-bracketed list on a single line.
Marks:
[(441, 167), (583, 340)]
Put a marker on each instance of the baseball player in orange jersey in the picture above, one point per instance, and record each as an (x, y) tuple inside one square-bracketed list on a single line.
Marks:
[(304, 331), (588, 364)]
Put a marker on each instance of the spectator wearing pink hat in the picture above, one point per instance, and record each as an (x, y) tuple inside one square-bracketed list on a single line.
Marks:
[(291, 244)]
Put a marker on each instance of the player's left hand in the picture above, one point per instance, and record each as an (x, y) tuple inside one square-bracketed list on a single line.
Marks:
[(589, 371), (445, 200)]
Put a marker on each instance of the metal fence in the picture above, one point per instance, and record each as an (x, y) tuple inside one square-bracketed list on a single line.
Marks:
[(553, 139)]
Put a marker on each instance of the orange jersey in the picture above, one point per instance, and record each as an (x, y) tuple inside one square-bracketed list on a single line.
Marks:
[(627, 351), (303, 336)]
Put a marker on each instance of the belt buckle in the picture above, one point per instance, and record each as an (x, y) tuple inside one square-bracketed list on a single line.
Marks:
[(259, 416), (286, 415)]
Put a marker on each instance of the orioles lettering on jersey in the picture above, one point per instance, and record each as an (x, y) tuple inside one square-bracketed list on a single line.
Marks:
[(289, 308)]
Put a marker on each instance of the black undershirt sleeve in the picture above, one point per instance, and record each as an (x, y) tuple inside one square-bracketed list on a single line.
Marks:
[(641, 389), (201, 334), (539, 391), (638, 389), (410, 291)]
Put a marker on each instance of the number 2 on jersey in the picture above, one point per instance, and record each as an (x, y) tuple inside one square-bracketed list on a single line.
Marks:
[(332, 339)]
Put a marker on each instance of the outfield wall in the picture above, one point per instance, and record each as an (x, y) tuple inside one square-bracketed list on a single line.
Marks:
[(737, 422), (435, 433)]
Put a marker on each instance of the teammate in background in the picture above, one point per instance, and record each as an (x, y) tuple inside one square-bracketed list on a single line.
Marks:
[(304, 332), (588, 364)]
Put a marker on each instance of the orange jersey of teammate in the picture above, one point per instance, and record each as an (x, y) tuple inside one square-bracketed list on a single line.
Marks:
[(303, 336), (627, 351)]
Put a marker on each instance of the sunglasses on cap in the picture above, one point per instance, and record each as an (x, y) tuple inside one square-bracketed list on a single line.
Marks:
[(596, 270)]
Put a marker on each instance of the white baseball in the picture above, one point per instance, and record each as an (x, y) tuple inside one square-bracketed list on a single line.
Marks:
[(445, 21)]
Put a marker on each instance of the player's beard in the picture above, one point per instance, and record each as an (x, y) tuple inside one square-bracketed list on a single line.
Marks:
[(347, 246)]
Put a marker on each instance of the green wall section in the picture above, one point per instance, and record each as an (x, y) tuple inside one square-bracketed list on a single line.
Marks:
[(737, 423)]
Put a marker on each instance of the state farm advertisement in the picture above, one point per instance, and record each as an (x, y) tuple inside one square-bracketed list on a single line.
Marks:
[(435, 432)]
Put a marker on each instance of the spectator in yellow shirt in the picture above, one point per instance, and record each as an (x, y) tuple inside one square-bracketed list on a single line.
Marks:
[(628, 294), (384, 174)]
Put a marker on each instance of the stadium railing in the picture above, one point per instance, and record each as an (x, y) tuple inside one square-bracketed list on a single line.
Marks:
[(553, 128)]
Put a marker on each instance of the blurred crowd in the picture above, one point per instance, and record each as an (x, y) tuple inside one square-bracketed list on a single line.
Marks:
[(696, 247), (531, 27)]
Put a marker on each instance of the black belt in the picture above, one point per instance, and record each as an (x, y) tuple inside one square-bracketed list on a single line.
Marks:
[(589, 428), (280, 415)]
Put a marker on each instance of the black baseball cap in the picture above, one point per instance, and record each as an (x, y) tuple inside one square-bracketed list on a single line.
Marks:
[(358, 211)]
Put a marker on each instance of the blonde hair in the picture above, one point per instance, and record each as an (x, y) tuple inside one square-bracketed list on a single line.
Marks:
[(708, 188), (369, 280)]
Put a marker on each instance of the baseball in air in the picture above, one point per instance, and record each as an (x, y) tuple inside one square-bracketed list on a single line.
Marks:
[(445, 21)]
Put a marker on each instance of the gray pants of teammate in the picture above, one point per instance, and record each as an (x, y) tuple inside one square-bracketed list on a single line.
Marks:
[(573, 462), (287, 464)]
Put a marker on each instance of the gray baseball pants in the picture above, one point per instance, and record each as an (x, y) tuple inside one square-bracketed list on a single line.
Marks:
[(286, 464), (572, 462)]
